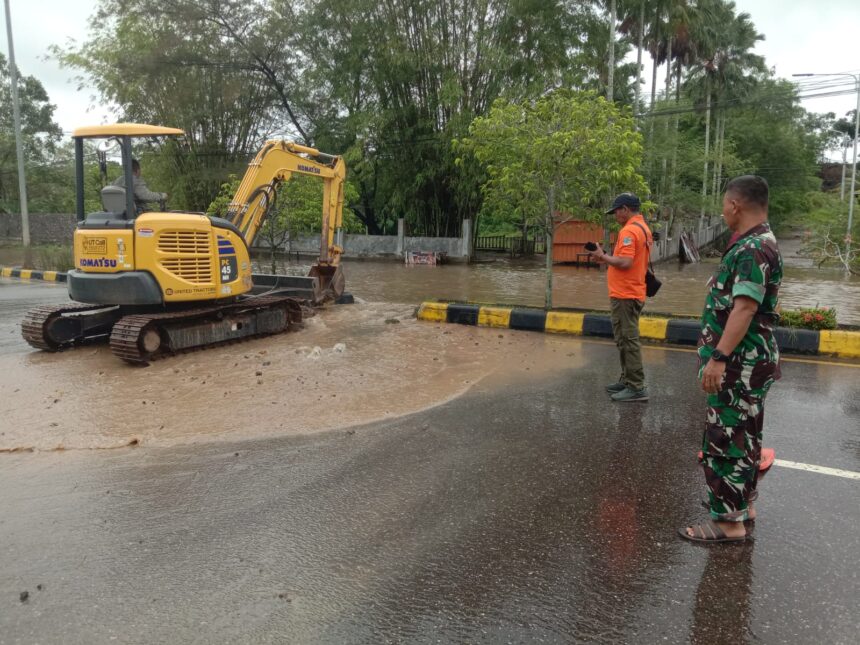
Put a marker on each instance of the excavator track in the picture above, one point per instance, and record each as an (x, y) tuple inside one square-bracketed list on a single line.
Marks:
[(141, 338), (40, 326)]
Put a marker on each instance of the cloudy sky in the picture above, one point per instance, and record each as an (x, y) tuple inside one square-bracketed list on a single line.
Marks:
[(800, 36)]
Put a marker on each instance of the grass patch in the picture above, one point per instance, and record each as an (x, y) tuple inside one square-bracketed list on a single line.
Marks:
[(43, 257), (54, 257)]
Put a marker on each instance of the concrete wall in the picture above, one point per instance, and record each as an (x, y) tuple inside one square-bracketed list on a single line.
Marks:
[(58, 228), (458, 249), (44, 227)]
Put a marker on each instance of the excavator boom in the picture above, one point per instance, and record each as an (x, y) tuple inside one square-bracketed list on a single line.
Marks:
[(276, 162)]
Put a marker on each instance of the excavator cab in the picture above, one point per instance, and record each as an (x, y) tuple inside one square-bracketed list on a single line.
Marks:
[(161, 282)]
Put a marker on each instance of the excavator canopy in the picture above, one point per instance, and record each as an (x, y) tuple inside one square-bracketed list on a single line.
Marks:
[(126, 130)]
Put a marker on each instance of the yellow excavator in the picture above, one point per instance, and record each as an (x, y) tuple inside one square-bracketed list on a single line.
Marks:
[(163, 282)]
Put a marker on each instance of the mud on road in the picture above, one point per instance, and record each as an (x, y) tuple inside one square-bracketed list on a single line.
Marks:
[(349, 365)]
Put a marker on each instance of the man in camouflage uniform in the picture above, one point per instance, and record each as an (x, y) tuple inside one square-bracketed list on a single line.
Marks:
[(739, 360)]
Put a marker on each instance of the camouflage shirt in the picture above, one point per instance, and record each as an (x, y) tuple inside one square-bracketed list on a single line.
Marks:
[(750, 267)]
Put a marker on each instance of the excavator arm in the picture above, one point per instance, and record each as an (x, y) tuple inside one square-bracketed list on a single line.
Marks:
[(276, 162)]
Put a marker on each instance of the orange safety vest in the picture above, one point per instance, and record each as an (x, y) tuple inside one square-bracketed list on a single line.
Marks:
[(629, 284)]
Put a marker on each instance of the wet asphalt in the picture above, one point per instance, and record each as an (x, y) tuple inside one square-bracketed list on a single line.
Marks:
[(525, 511)]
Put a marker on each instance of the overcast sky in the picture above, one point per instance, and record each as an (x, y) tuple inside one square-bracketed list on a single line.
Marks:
[(800, 36)]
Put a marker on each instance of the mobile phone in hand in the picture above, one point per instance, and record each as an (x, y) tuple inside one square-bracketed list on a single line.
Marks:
[(590, 246)]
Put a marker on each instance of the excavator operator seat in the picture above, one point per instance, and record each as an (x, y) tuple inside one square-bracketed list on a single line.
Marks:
[(113, 200)]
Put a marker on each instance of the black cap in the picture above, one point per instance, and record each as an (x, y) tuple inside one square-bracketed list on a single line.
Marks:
[(625, 199)]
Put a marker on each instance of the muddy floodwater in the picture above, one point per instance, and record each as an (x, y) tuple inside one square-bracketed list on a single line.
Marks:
[(349, 365), (497, 279), (521, 282)]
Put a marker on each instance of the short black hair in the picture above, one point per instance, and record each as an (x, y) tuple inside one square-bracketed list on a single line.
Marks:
[(750, 188), (135, 165)]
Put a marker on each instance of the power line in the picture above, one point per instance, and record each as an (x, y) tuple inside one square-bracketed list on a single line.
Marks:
[(734, 103)]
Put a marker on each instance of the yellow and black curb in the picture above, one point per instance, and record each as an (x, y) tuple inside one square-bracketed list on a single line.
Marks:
[(31, 274), (678, 331)]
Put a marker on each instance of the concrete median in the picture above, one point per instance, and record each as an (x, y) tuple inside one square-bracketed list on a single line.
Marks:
[(31, 274), (659, 329)]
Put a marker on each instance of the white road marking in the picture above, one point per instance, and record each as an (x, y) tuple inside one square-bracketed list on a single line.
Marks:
[(824, 470)]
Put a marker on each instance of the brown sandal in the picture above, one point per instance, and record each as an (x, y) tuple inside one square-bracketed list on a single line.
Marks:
[(709, 532)]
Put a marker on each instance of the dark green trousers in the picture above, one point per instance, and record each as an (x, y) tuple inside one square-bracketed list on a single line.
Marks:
[(625, 330)]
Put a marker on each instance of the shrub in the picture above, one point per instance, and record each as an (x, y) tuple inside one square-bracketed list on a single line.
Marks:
[(53, 257), (809, 318)]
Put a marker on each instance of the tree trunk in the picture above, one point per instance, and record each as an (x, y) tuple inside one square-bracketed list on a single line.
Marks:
[(640, 38), (664, 178), (718, 121), (653, 81), (720, 156), (651, 119), (669, 71), (673, 169), (610, 76), (707, 144), (549, 233)]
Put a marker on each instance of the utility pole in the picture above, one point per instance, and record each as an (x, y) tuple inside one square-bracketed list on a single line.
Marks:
[(16, 115)]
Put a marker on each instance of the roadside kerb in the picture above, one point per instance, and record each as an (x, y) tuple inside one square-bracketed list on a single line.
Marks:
[(677, 331), (31, 274)]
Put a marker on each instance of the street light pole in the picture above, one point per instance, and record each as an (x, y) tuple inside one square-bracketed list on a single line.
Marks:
[(19, 149), (852, 196), (844, 161)]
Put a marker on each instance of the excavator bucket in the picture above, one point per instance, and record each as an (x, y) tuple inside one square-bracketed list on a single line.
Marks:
[(331, 281)]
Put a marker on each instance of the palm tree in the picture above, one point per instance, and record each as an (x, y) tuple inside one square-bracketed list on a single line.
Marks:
[(727, 68), (633, 18), (668, 33)]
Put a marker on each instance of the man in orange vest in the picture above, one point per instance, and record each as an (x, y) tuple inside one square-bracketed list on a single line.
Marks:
[(626, 279)]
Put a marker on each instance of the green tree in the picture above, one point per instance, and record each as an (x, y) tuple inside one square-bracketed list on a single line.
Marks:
[(772, 135), (194, 79), (41, 136), (846, 125), (405, 77), (565, 151), (728, 69)]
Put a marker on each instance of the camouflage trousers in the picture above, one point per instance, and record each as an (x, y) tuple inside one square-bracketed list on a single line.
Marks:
[(731, 449)]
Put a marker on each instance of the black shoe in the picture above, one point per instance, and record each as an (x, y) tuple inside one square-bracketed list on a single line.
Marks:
[(628, 396), (616, 387)]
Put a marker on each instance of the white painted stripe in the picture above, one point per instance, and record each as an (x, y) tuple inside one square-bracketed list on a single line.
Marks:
[(824, 470)]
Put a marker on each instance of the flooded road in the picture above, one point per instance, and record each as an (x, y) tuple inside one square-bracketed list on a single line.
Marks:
[(528, 510), (375, 479), (350, 364), (521, 282)]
